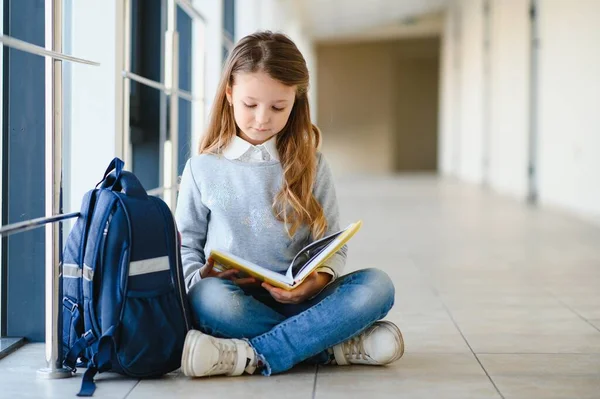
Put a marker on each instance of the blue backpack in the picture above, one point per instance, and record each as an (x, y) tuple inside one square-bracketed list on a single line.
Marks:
[(124, 301)]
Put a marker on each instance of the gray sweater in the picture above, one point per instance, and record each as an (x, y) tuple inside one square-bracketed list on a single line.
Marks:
[(227, 204)]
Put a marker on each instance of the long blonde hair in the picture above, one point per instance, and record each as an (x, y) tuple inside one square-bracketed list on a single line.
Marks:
[(276, 55)]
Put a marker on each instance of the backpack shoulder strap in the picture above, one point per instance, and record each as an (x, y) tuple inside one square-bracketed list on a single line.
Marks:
[(75, 270)]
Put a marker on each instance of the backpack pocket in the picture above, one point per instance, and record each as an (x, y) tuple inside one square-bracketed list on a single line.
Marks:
[(152, 333)]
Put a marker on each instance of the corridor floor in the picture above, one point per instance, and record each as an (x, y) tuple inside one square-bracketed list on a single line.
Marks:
[(495, 298)]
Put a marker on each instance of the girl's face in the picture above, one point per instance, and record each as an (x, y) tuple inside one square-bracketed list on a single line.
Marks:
[(261, 105)]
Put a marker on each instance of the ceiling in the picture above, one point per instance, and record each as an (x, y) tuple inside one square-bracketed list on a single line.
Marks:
[(350, 20)]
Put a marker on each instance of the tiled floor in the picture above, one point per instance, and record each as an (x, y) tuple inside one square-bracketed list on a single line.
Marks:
[(496, 299)]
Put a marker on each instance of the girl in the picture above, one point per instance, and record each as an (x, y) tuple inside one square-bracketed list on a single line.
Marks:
[(261, 190)]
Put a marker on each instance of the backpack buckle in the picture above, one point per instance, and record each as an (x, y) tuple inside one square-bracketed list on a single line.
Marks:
[(69, 304), (72, 369), (78, 348), (89, 337)]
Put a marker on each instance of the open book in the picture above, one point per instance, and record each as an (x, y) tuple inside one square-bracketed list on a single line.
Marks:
[(305, 262)]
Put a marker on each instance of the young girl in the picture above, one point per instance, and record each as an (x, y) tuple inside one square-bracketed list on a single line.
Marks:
[(261, 190)]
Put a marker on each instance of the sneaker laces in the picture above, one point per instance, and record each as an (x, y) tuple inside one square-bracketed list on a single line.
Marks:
[(354, 348), (227, 358)]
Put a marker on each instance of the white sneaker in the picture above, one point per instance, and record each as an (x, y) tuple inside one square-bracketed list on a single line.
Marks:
[(204, 355), (380, 344)]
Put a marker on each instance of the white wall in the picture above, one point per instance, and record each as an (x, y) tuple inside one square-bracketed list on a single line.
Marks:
[(470, 146), (568, 95), (569, 108), (449, 90), (509, 91)]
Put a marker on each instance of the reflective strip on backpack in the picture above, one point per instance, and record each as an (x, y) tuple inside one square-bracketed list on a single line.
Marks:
[(88, 273), (146, 266), (71, 270)]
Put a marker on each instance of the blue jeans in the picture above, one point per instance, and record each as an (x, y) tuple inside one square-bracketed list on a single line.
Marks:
[(284, 335)]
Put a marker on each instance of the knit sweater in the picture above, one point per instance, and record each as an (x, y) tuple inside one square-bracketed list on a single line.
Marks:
[(227, 204)]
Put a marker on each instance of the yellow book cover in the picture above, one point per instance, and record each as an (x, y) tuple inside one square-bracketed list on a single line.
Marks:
[(305, 262)]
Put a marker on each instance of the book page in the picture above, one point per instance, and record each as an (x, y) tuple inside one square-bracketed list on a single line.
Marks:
[(306, 254), (321, 250), (310, 266)]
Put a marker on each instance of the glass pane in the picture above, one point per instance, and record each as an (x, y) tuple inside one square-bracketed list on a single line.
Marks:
[(185, 134), (229, 17), (147, 108), (148, 27), (186, 76), (191, 79)]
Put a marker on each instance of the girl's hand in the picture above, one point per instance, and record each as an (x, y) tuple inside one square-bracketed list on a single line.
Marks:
[(231, 274), (311, 286)]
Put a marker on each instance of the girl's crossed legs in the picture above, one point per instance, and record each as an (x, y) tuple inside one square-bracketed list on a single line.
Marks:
[(283, 335)]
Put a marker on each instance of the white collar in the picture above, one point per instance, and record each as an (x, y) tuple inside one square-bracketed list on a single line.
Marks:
[(239, 147)]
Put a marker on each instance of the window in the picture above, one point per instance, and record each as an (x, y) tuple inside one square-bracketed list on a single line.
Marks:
[(164, 106), (228, 27), (153, 93)]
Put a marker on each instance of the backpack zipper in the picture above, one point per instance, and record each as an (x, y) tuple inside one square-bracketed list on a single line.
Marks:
[(100, 263), (110, 216)]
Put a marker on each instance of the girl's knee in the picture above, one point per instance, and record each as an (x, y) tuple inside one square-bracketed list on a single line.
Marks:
[(380, 285), (213, 300), (209, 290), (378, 279)]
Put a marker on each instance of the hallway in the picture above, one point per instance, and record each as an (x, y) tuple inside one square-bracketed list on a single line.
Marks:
[(496, 299)]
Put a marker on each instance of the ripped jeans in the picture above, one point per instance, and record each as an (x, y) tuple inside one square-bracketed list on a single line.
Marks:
[(284, 335)]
